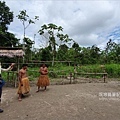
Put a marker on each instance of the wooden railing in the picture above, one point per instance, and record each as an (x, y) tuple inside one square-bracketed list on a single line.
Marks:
[(104, 74)]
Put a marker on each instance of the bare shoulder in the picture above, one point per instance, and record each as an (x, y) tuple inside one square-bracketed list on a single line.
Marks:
[(21, 70), (45, 68), (41, 68)]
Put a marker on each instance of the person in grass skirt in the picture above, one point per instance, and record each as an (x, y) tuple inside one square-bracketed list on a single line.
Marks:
[(43, 80), (24, 85)]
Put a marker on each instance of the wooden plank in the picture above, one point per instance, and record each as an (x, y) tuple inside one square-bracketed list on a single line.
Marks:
[(91, 73), (104, 74)]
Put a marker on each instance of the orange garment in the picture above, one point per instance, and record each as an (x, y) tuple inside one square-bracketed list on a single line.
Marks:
[(43, 81), (25, 88)]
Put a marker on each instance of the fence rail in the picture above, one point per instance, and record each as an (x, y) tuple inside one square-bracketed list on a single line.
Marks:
[(104, 74), (12, 76)]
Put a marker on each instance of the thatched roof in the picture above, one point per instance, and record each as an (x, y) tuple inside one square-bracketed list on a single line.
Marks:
[(11, 52)]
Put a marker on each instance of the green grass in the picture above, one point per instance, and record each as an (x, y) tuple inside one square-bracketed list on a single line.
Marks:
[(113, 71)]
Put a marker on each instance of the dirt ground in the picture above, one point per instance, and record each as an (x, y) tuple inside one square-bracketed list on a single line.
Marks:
[(85, 101)]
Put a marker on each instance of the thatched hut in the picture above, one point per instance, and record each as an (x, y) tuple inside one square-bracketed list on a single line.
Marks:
[(11, 53)]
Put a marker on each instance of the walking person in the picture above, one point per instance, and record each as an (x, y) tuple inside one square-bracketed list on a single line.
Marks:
[(24, 85), (2, 82), (43, 80)]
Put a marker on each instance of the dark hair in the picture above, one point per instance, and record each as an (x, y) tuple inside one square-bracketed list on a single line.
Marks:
[(43, 64), (24, 65)]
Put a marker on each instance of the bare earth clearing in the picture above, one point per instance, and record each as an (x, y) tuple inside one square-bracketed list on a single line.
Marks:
[(63, 102)]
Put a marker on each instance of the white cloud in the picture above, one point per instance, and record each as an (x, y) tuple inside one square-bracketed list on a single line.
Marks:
[(87, 22)]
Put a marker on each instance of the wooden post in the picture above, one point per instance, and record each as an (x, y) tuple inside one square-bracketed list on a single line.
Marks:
[(104, 77), (70, 78), (17, 72), (75, 72), (8, 76), (74, 76), (69, 63)]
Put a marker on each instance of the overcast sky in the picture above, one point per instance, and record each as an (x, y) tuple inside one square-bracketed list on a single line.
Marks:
[(88, 22)]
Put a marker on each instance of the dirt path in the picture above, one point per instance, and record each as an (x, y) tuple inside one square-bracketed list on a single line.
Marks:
[(64, 102)]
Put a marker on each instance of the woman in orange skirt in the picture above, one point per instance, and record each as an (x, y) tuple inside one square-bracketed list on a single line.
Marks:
[(43, 80)]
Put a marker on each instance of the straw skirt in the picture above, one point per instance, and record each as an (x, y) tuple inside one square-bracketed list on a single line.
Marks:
[(43, 81), (25, 88)]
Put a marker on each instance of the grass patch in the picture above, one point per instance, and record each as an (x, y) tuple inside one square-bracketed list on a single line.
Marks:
[(58, 70)]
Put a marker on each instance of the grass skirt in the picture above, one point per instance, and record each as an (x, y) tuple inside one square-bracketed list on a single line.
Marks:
[(25, 88), (43, 81)]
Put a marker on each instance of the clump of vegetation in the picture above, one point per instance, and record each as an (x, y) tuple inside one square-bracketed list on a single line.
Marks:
[(60, 70), (113, 70)]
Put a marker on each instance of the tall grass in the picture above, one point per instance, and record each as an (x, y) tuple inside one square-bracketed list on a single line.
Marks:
[(113, 70)]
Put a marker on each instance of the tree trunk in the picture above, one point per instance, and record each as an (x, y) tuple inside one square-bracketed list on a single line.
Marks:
[(53, 60), (24, 42)]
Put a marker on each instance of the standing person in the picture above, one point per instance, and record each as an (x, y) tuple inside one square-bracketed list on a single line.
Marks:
[(2, 82), (43, 80), (24, 86)]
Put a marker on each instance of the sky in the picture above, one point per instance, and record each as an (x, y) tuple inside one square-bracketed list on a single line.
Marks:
[(88, 22)]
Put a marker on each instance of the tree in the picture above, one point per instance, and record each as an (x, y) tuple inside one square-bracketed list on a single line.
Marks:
[(75, 45), (26, 21), (76, 54), (61, 53), (94, 54), (54, 35), (28, 46), (85, 55), (7, 39), (70, 55), (112, 52), (6, 16), (45, 54)]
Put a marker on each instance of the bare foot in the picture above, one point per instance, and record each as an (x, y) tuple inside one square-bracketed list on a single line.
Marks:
[(19, 99), (37, 91)]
